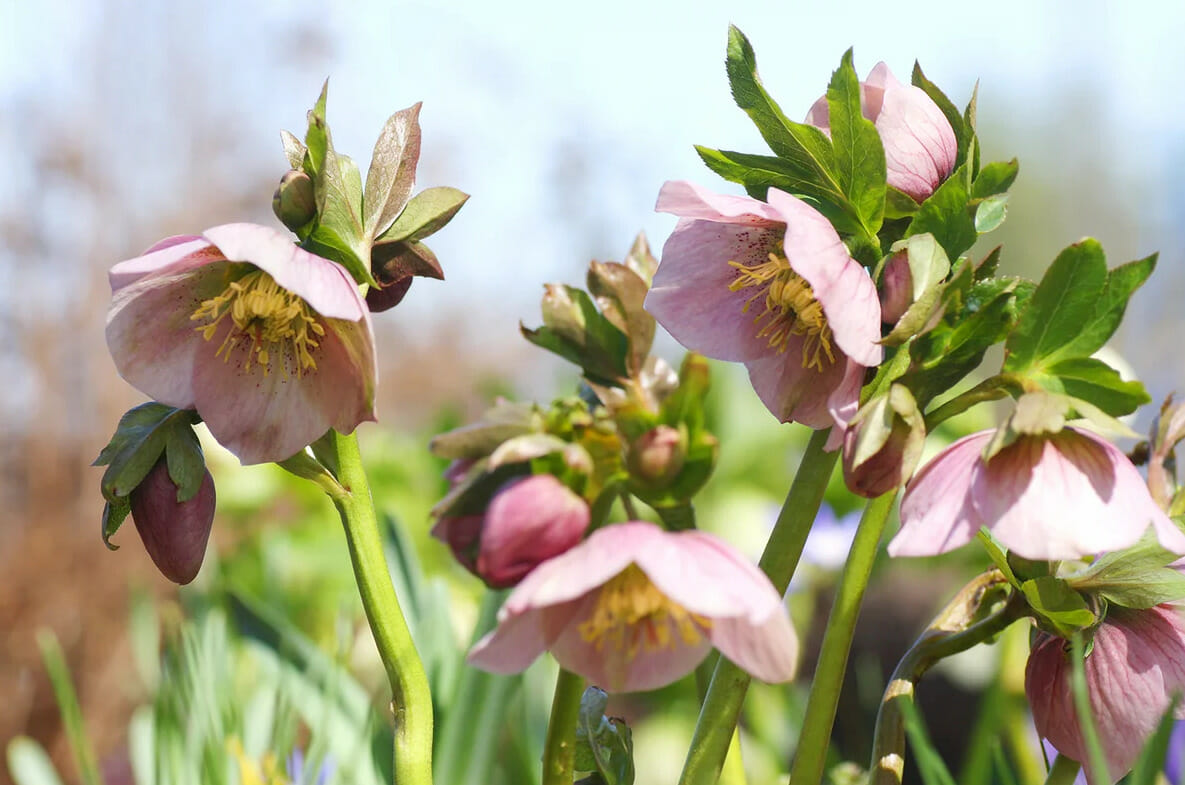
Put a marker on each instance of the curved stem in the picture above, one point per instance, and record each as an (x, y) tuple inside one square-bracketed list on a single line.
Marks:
[(949, 633), (411, 701), (1064, 772), (726, 692), (811, 755), (990, 389), (559, 751)]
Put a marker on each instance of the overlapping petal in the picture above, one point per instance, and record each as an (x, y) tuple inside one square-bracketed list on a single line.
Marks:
[(732, 604)]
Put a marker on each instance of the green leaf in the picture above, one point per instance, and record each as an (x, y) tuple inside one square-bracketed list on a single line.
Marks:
[(761, 172), (1054, 600), (930, 764), (899, 204), (620, 294), (139, 440), (997, 554), (1065, 301), (858, 152), (1137, 577), (990, 213), (963, 134), (987, 266), (392, 172), (187, 465), (1094, 381), (67, 700), (1122, 282), (1096, 762), (114, 514), (425, 214), (294, 149), (995, 178), (945, 215), (603, 745)]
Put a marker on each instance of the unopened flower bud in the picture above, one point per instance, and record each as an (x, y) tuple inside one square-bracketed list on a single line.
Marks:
[(174, 533), (896, 290), (528, 521), (295, 202), (656, 458), (883, 443)]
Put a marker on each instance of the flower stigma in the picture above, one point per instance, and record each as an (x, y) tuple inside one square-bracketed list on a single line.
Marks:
[(790, 308), (268, 316), (631, 614)]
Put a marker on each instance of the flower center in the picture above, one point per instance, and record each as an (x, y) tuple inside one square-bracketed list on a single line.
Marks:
[(268, 317), (790, 308), (631, 614)]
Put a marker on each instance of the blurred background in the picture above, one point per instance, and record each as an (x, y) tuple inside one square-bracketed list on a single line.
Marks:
[(128, 121)]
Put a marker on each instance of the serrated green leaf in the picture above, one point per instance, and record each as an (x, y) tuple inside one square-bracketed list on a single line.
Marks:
[(990, 213), (1122, 283), (1092, 380), (138, 442), (1138, 577), (858, 152), (995, 178), (963, 134), (425, 214), (945, 215), (392, 172), (987, 266), (1063, 302)]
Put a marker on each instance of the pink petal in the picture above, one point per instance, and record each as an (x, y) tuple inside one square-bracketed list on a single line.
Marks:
[(324, 285), (936, 512), (920, 145), (840, 284), (844, 401), (529, 520), (170, 256), (262, 419), (688, 200), (768, 651), (512, 646), (1064, 497), (794, 393), (690, 296)]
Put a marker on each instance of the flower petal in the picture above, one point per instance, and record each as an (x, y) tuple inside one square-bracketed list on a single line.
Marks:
[(689, 200), (323, 284), (514, 644), (170, 256), (793, 393), (690, 296), (936, 512), (768, 651), (840, 284), (920, 145)]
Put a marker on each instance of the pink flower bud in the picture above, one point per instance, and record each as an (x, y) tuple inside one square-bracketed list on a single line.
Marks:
[(657, 456), (896, 289), (1136, 664), (174, 533), (920, 145), (883, 443)]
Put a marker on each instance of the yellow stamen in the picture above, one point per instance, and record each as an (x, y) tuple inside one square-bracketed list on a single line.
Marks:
[(631, 614), (268, 316), (790, 308)]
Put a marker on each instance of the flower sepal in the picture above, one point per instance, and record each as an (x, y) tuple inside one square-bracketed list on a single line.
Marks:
[(912, 284), (1059, 609), (883, 443)]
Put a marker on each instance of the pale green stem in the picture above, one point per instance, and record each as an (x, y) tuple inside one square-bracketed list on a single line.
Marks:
[(990, 389), (411, 701), (1064, 771), (722, 704), (1096, 761), (559, 751), (811, 755), (951, 632)]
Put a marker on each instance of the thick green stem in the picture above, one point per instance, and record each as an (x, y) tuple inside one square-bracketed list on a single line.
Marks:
[(722, 704), (951, 632), (411, 701), (559, 751), (990, 389), (1064, 772), (811, 755)]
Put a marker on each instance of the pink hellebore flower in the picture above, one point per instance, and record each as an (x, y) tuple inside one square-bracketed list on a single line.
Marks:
[(270, 344), (529, 520), (1135, 666), (772, 286), (1059, 496), (920, 145), (635, 607)]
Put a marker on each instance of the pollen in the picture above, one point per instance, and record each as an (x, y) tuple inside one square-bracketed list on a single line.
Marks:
[(276, 325), (790, 308), (631, 615)]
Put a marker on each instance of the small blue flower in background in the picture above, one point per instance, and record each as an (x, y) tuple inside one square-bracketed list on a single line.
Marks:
[(1174, 763), (296, 769)]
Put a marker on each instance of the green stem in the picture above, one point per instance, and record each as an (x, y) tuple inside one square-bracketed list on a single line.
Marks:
[(990, 389), (559, 751), (1064, 772), (811, 754), (1096, 760), (722, 704), (411, 701), (951, 632)]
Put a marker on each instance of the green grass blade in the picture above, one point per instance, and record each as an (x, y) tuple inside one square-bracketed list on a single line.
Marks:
[(67, 698)]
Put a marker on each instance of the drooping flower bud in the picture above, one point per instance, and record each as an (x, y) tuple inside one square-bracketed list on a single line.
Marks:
[(174, 533), (528, 521), (656, 457), (896, 288), (883, 443), (295, 202)]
